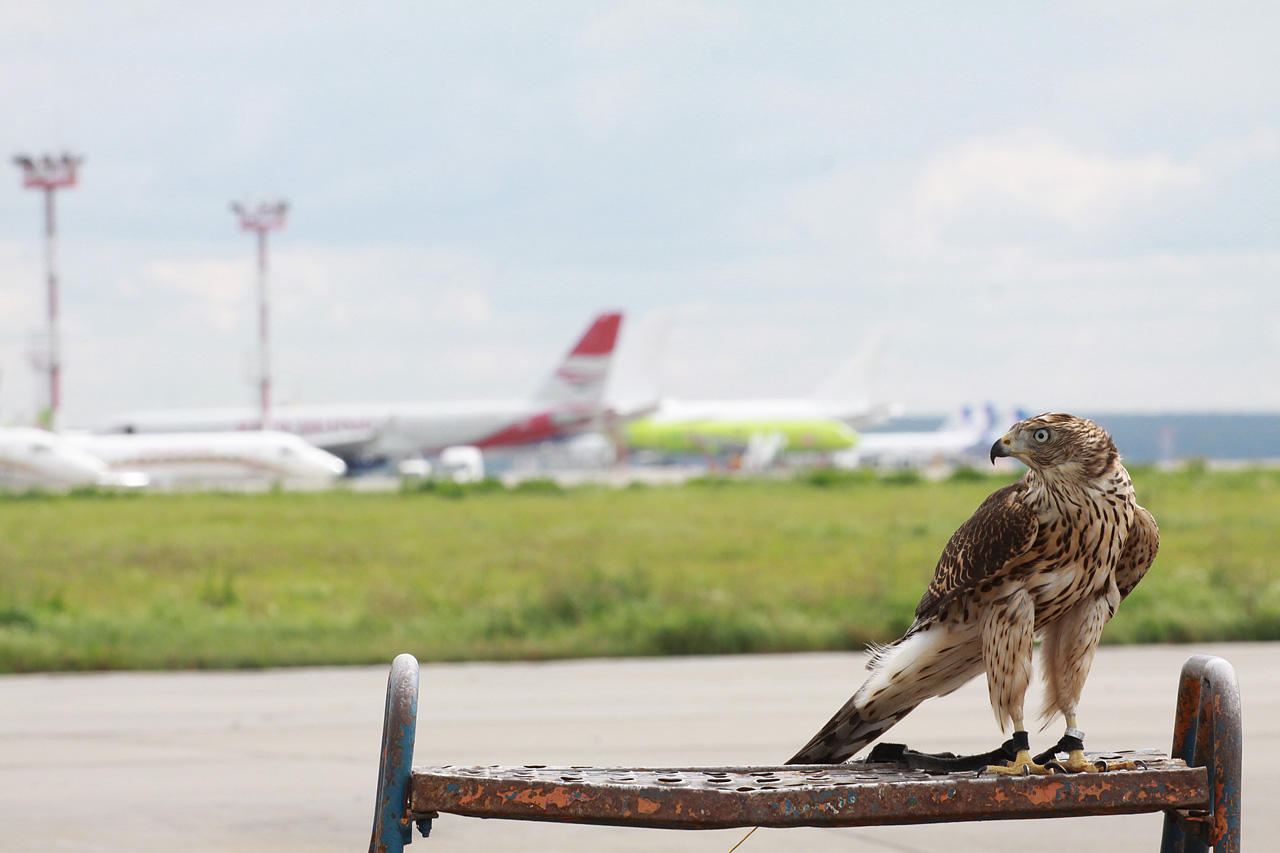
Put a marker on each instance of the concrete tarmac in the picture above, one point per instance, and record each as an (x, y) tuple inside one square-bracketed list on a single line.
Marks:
[(287, 760)]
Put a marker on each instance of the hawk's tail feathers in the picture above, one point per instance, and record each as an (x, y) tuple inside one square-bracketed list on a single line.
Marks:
[(928, 661), (843, 735), (878, 653)]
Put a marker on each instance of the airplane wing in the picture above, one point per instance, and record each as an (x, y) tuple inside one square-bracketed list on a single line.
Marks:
[(344, 443)]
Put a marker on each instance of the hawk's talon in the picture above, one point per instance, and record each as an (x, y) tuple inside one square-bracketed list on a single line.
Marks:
[(1077, 763), (1022, 765)]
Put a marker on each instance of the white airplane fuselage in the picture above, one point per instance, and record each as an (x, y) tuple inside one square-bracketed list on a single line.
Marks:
[(777, 408), (206, 456), (892, 449), (30, 456)]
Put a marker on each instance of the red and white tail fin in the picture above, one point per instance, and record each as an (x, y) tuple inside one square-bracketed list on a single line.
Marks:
[(581, 377)]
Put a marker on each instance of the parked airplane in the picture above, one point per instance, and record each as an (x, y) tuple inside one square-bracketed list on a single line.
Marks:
[(726, 426), (823, 421), (964, 437), (207, 456), (567, 403), (37, 457)]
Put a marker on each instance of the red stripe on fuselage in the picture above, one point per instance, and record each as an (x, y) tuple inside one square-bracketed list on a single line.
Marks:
[(541, 427)]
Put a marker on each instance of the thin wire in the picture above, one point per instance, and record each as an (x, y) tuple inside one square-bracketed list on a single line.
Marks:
[(744, 838)]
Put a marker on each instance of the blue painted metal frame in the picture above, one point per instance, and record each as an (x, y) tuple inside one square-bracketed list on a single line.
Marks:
[(392, 828), (1208, 732)]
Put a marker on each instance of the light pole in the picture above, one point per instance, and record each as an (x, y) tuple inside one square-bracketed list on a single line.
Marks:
[(267, 216), (49, 174)]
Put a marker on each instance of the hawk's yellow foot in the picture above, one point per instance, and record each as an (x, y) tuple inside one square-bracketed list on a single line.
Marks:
[(1077, 763), (1072, 743), (1022, 765)]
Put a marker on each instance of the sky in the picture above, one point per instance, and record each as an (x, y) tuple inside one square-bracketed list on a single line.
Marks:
[(1059, 206)]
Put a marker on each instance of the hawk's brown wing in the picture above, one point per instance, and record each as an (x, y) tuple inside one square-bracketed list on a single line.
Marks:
[(998, 531), (1139, 551)]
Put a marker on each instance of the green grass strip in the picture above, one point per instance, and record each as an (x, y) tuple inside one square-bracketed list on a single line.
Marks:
[(829, 561)]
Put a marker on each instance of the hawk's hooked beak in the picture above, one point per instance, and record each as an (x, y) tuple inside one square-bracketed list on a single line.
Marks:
[(1000, 448)]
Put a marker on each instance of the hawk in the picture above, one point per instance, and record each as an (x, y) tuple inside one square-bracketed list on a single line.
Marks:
[(1050, 556)]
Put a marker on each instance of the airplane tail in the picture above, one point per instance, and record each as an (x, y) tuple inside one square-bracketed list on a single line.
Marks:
[(961, 419), (852, 381), (636, 377), (998, 421), (581, 376)]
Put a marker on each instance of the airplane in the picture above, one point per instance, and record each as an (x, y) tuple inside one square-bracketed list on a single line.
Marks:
[(731, 425), (177, 457), (38, 457), (568, 402), (823, 421), (964, 437)]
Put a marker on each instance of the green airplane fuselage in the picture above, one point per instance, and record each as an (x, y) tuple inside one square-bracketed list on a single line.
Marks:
[(713, 435)]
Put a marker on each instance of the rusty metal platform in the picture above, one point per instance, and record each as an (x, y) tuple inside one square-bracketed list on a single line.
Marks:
[(1198, 788), (781, 796)]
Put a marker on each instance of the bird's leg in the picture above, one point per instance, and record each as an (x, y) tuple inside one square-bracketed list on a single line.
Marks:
[(1008, 626), (1067, 653), (1022, 764), (1072, 743)]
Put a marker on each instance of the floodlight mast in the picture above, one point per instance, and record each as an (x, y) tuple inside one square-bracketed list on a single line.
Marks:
[(266, 217), (50, 174)]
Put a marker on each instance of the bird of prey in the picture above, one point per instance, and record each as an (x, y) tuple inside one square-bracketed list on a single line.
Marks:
[(1050, 556)]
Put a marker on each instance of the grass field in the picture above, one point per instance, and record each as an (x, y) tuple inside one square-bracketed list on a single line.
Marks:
[(101, 581)]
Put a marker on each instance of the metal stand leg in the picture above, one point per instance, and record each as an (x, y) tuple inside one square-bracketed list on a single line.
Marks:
[(392, 829), (1207, 732)]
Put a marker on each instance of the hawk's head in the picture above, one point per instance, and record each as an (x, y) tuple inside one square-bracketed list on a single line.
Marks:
[(1059, 443)]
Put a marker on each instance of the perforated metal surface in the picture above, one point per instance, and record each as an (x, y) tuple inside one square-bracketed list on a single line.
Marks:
[(817, 795)]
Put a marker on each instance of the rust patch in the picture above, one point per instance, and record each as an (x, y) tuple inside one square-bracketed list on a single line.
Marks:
[(1046, 793), (468, 798), (557, 797), (561, 797), (647, 806)]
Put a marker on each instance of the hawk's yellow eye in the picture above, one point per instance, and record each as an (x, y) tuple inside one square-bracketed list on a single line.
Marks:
[(1041, 435)]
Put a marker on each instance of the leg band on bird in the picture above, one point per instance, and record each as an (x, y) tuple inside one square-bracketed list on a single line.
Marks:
[(1071, 740)]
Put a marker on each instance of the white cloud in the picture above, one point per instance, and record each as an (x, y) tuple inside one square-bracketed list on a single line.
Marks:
[(843, 211), (397, 283), (218, 288), (1046, 176)]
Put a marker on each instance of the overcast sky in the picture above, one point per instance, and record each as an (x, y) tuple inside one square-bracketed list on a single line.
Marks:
[(1056, 205)]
